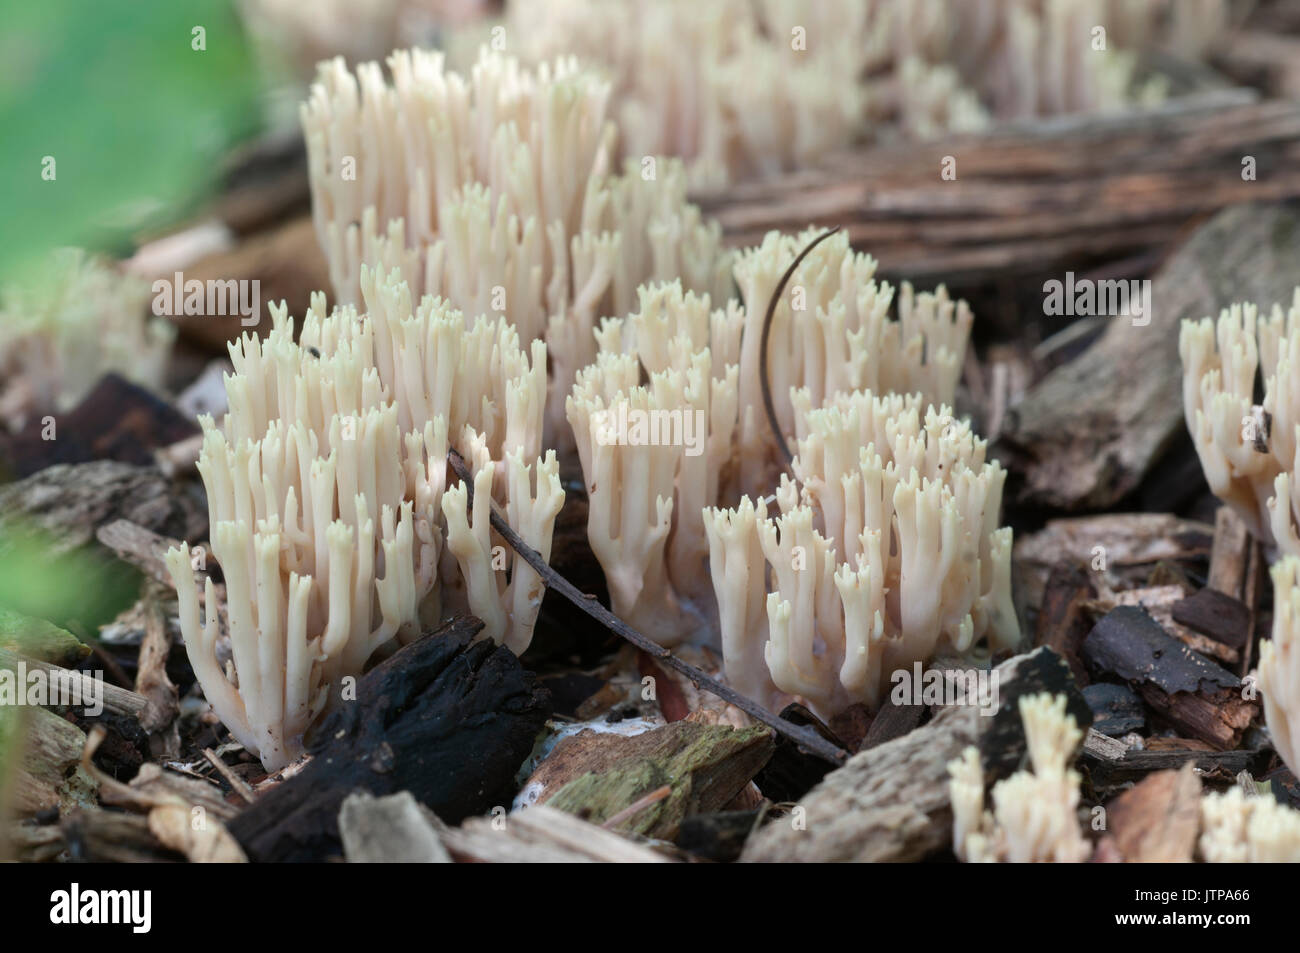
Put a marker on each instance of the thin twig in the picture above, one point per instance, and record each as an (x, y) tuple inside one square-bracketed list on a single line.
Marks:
[(764, 383), (237, 784), (805, 738), (636, 807)]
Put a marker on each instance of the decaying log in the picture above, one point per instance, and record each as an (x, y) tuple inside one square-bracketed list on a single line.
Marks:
[(1201, 699), (446, 718), (1157, 820), (890, 802), (1087, 433), (603, 777)]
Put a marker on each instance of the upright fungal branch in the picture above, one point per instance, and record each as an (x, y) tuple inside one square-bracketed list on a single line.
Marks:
[(831, 333), (1034, 817), (1248, 451), (68, 324), (1279, 664), (1241, 829), (328, 501), (728, 85), (655, 455), (886, 549), (496, 191)]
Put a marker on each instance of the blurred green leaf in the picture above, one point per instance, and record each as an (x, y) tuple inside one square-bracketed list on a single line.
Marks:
[(133, 116)]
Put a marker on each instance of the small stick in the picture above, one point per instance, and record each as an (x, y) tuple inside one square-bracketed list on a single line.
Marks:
[(804, 737), (764, 383), (237, 784), (636, 807)]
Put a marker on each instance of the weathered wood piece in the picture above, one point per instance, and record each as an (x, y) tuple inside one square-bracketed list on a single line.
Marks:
[(1035, 197), (1089, 431), (69, 502), (1200, 698), (388, 830), (890, 802), (446, 718), (1111, 762), (542, 835), (702, 766), (1157, 820)]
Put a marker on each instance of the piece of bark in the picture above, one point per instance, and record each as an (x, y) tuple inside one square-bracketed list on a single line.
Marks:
[(446, 718), (1113, 543), (117, 420), (891, 721), (1230, 554), (1087, 433), (388, 830), (1063, 621), (1157, 820), (1159, 603), (1112, 763), (1221, 617), (1189, 691), (67, 503), (45, 775), (703, 767), (162, 702), (1116, 709), (890, 803), (542, 834), (1031, 198)]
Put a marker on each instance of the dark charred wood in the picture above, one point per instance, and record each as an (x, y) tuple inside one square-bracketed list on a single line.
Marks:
[(446, 718), (1116, 709), (791, 773), (1002, 739), (718, 837), (1063, 620), (1217, 615), (1198, 697)]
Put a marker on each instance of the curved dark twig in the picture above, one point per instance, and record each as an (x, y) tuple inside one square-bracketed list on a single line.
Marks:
[(764, 383)]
